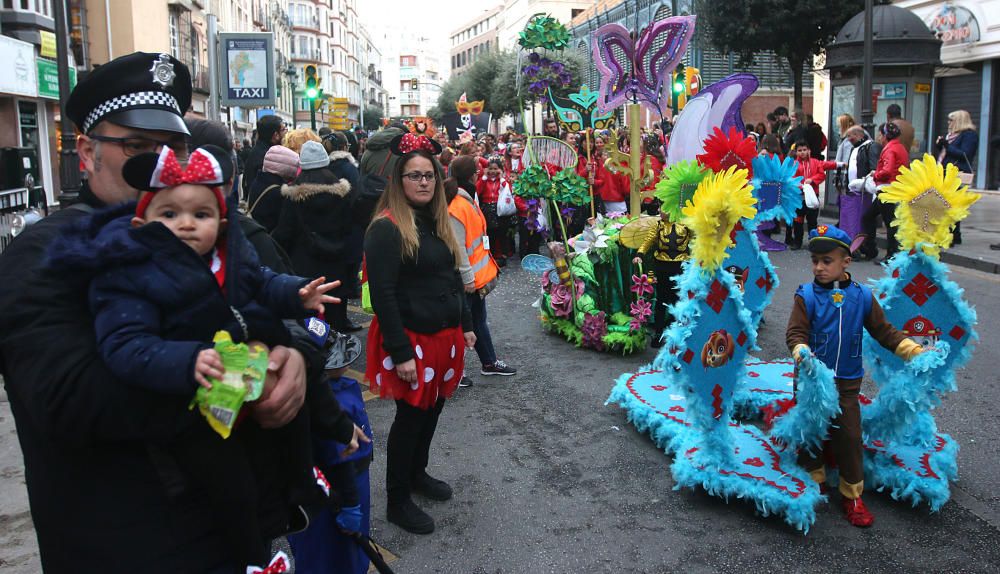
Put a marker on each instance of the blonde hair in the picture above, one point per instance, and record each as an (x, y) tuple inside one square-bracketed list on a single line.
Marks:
[(845, 122), (394, 205), (963, 121), (294, 139)]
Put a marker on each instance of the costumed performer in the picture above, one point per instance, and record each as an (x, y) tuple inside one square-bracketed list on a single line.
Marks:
[(827, 317), (668, 240), (488, 190), (813, 172), (421, 322)]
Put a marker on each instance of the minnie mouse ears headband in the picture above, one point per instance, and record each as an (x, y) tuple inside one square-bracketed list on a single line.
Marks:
[(408, 142), (208, 165)]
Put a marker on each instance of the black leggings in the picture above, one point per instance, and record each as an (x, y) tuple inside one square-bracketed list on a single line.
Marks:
[(408, 447)]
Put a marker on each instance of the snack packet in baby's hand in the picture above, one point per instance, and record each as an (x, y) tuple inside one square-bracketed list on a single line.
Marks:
[(245, 369)]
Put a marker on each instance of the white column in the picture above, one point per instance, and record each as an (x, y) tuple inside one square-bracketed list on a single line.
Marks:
[(984, 125)]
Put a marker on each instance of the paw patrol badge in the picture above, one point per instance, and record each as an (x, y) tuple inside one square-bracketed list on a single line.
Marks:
[(837, 296), (163, 71)]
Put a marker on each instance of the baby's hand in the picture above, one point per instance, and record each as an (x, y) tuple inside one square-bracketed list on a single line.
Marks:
[(314, 295), (208, 364)]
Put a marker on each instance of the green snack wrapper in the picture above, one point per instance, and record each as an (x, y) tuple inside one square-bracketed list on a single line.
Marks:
[(245, 369)]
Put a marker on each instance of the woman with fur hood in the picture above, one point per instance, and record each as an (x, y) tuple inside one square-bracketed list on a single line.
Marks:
[(315, 224), (343, 166)]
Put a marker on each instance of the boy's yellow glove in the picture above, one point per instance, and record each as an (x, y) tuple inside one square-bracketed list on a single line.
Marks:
[(908, 348), (801, 351)]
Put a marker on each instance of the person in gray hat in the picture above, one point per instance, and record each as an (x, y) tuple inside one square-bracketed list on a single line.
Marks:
[(96, 495), (315, 225)]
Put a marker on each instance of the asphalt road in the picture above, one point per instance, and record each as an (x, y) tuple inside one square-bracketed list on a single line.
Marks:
[(548, 479)]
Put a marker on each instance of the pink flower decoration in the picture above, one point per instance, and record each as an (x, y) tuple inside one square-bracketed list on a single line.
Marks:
[(642, 285), (640, 311)]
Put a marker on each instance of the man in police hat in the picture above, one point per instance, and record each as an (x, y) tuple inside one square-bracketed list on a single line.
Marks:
[(99, 500)]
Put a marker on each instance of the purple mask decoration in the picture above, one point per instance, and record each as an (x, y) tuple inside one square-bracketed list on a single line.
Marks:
[(717, 106), (640, 69)]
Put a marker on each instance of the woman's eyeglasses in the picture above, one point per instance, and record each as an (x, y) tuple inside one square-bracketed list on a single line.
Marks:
[(417, 177)]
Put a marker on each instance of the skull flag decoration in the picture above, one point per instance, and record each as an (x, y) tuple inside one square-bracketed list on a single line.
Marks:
[(469, 118), (640, 69), (579, 111)]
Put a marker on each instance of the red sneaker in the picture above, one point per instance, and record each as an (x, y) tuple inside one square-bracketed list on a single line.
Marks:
[(856, 513)]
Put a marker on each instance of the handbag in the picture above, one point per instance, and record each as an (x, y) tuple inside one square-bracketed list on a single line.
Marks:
[(505, 201), (809, 196)]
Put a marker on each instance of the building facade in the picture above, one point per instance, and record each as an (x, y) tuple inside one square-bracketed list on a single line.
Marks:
[(970, 75), (475, 37), (375, 96), (516, 13)]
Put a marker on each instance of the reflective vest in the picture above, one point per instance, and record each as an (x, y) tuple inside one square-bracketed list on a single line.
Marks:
[(483, 266)]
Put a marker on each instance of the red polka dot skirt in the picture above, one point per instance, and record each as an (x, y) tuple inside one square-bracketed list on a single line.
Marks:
[(440, 359)]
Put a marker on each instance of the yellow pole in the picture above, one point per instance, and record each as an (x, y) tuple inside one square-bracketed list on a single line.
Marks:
[(590, 185), (634, 159)]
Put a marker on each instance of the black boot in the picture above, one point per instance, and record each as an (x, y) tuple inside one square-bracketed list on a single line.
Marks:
[(431, 487), (408, 516)]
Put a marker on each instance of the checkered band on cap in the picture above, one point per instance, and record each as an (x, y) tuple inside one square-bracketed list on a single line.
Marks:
[(128, 101)]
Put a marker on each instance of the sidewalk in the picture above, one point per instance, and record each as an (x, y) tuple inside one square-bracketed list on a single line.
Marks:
[(979, 231)]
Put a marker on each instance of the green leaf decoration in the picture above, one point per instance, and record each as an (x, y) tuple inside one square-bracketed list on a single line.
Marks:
[(533, 183), (571, 188), (544, 31), (583, 269)]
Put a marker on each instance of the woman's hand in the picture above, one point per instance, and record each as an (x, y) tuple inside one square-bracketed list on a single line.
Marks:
[(284, 388), (407, 372), (470, 339), (470, 287)]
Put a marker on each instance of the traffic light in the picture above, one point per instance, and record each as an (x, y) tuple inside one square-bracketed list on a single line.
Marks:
[(312, 82), (414, 84), (678, 80)]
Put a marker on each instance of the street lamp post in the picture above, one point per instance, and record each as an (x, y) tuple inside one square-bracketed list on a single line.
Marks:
[(867, 111), (69, 161)]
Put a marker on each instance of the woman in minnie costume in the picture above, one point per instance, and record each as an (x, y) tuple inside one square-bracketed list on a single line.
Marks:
[(421, 324)]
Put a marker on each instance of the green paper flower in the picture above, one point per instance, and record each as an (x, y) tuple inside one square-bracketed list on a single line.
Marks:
[(533, 183), (543, 31), (677, 185), (571, 188)]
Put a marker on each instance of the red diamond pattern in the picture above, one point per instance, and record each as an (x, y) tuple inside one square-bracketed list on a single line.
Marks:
[(765, 283), (956, 332), (717, 294), (920, 289), (717, 402), (688, 355), (742, 338)]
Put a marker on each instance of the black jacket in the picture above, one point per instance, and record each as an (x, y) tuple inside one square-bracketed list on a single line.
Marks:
[(253, 165), (424, 295), (95, 494), (315, 226), (267, 209)]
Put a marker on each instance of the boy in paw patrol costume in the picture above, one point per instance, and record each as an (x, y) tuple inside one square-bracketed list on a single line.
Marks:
[(826, 320)]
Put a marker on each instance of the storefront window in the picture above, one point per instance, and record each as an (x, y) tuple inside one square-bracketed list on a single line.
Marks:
[(920, 117), (842, 103)]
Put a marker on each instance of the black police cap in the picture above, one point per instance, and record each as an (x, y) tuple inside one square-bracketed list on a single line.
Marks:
[(140, 90)]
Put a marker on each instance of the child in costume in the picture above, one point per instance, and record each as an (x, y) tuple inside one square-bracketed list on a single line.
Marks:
[(161, 291), (826, 320), (813, 172), (488, 189), (668, 241)]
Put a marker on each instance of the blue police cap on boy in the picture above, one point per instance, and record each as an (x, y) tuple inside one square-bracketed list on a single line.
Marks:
[(141, 90), (826, 238)]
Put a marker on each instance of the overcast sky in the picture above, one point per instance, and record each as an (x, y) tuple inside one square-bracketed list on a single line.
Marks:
[(438, 15)]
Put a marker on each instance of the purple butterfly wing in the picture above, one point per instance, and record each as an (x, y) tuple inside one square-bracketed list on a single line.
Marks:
[(613, 56), (660, 48)]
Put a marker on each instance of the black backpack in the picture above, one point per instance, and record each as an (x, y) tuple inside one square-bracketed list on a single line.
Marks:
[(371, 186)]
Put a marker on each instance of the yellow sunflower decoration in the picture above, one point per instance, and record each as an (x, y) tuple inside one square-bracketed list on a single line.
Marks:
[(721, 200), (929, 200)]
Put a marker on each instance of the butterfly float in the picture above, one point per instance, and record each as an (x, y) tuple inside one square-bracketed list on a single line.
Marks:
[(640, 69)]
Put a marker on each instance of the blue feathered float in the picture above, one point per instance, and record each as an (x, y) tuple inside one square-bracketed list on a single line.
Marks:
[(685, 399)]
